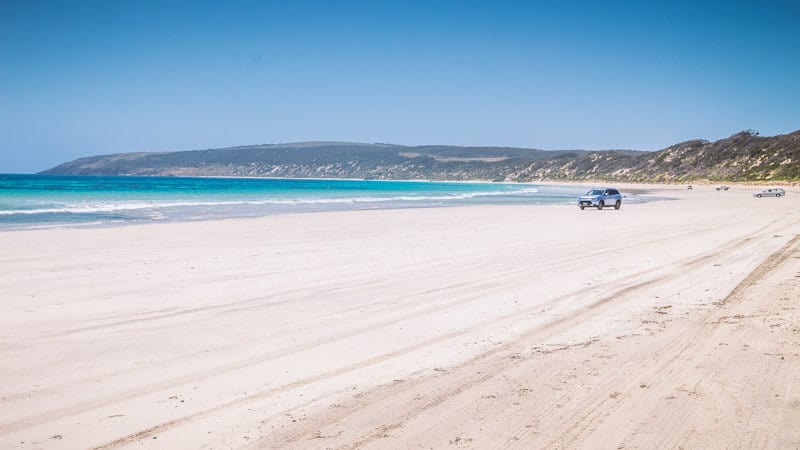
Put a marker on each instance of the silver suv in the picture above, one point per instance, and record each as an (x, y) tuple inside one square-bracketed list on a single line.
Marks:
[(600, 198)]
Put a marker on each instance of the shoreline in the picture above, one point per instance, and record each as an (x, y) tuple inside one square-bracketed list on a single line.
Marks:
[(217, 204), (114, 225), (649, 192), (142, 223)]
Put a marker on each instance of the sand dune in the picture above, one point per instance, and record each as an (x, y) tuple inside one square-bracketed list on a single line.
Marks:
[(669, 324)]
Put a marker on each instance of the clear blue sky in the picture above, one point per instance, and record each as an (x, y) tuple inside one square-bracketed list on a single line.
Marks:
[(81, 77)]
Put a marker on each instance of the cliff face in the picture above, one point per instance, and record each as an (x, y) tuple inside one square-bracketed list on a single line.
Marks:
[(744, 156)]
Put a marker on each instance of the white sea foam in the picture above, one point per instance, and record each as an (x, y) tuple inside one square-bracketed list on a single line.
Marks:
[(110, 207)]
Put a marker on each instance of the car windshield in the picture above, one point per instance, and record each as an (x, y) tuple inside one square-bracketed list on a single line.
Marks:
[(594, 192)]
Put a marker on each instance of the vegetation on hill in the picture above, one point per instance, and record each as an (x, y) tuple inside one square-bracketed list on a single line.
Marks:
[(745, 156)]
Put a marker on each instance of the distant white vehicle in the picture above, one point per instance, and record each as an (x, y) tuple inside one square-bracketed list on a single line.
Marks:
[(723, 188), (770, 193)]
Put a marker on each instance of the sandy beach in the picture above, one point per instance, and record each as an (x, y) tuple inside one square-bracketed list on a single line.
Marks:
[(670, 324)]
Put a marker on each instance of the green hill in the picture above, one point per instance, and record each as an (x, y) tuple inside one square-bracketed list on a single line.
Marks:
[(745, 156)]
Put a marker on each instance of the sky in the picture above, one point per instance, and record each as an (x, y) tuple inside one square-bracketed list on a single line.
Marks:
[(92, 77)]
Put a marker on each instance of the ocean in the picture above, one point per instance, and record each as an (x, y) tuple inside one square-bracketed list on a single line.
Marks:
[(42, 201)]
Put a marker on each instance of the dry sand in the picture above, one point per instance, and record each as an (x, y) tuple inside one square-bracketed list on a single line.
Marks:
[(669, 324)]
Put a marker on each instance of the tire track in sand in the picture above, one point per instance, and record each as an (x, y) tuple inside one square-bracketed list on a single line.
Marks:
[(53, 415), (496, 361)]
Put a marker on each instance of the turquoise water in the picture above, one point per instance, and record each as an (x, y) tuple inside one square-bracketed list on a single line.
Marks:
[(30, 201)]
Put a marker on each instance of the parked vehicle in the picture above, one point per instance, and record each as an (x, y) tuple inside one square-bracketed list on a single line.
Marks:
[(600, 198), (770, 193), (722, 188)]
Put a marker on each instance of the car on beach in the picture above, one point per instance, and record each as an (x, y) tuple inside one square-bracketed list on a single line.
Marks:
[(770, 193), (600, 198)]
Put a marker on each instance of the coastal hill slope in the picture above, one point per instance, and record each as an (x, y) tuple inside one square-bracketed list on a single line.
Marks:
[(744, 156)]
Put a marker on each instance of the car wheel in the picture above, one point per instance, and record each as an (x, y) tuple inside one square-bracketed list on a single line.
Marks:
[(617, 205), (582, 207), (758, 195), (600, 205), (777, 195)]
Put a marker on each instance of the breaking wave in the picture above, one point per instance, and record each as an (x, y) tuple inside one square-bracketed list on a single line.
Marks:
[(110, 207)]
